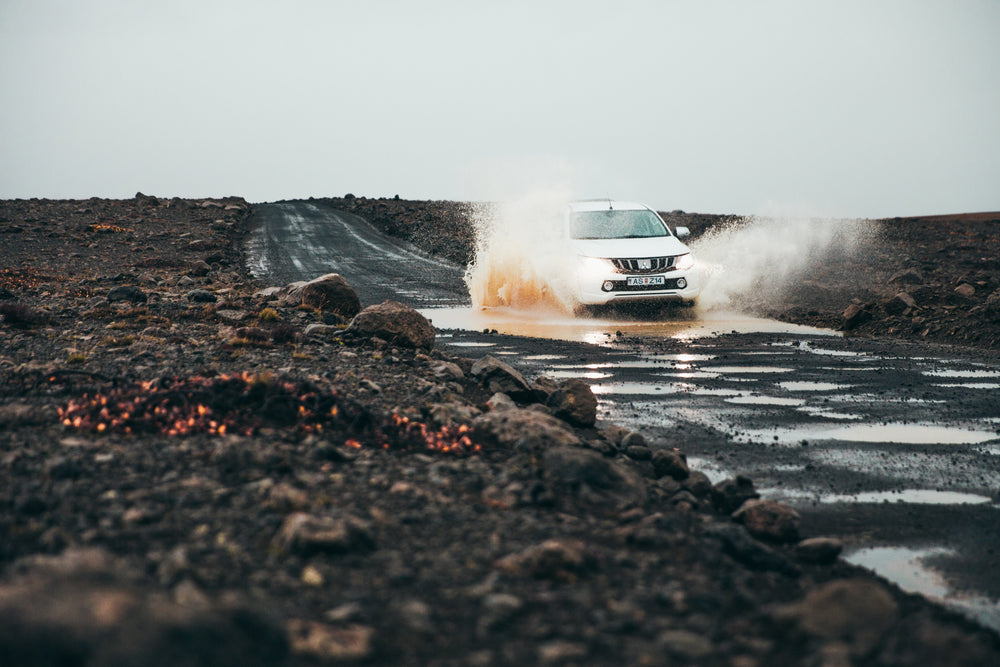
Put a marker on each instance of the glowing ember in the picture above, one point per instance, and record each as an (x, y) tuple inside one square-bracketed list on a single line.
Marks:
[(243, 404)]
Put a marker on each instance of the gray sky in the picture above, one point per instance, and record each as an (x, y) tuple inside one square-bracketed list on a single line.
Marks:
[(870, 108)]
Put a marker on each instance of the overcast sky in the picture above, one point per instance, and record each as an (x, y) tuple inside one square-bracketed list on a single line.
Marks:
[(870, 108)]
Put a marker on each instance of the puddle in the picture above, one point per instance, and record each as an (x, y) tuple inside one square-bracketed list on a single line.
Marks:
[(465, 343), (692, 375), (907, 568), (736, 370), (765, 400), (717, 392), (906, 496), (827, 413), (812, 386), (577, 373), (598, 331), (644, 388), (544, 357), (903, 434), (962, 374), (971, 385)]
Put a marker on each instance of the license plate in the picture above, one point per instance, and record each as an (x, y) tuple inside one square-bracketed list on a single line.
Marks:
[(645, 281)]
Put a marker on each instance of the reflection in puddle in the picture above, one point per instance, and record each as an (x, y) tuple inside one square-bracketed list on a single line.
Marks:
[(753, 399), (644, 388), (963, 374), (466, 343), (747, 369), (907, 568), (812, 386), (578, 373), (903, 434), (544, 357), (906, 496), (555, 325), (827, 413)]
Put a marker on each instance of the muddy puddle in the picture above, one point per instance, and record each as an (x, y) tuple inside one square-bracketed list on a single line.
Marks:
[(682, 324)]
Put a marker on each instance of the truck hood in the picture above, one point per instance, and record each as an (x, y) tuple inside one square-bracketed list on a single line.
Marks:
[(659, 246)]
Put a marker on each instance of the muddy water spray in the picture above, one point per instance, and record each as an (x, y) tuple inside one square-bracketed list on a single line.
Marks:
[(520, 255), (753, 261)]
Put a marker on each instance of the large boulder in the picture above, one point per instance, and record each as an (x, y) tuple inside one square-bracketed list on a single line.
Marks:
[(393, 322), (331, 293)]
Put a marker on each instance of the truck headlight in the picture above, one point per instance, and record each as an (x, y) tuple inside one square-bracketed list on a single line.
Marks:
[(683, 262), (595, 264)]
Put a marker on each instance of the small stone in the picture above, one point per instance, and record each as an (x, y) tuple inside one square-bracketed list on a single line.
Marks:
[(312, 577), (127, 293), (307, 534), (729, 494), (685, 644), (498, 376), (769, 519), (574, 402), (201, 296), (667, 462), (819, 550), (966, 290), (559, 651), (638, 452), (325, 643)]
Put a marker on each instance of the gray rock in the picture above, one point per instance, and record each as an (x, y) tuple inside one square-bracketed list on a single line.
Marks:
[(127, 293), (667, 462), (907, 276), (742, 547), (326, 644), (729, 494), (574, 402), (331, 293), (685, 644), (395, 323), (769, 520), (854, 316), (560, 559), (201, 296), (966, 290), (819, 550), (306, 534), (497, 376), (899, 304), (527, 429)]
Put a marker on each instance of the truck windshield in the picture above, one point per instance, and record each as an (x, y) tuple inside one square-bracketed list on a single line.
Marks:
[(616, 225)]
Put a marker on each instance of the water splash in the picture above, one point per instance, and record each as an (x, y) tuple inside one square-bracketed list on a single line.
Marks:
[(753, 262), (520, 259)]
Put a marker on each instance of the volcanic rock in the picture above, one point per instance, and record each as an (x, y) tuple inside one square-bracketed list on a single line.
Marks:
[(526, 430), (966, 290), (899, 304), (820, 550), (496, 376), (395, 323), (854, 316), (574, 402), (307, 534), (127, 293), (558, 559), (331, 293), (201, 296), (770, 520), (729, 494), (668, 462)]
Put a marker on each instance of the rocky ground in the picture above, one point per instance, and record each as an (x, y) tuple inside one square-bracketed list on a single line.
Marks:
[(198, 470)]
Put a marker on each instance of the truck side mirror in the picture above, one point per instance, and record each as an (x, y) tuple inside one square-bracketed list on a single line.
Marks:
[(682, 232)]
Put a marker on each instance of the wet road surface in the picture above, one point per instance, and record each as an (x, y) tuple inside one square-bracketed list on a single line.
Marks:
[(893, 447)]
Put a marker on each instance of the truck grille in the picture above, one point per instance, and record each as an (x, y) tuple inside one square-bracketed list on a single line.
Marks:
[(641, 265)]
